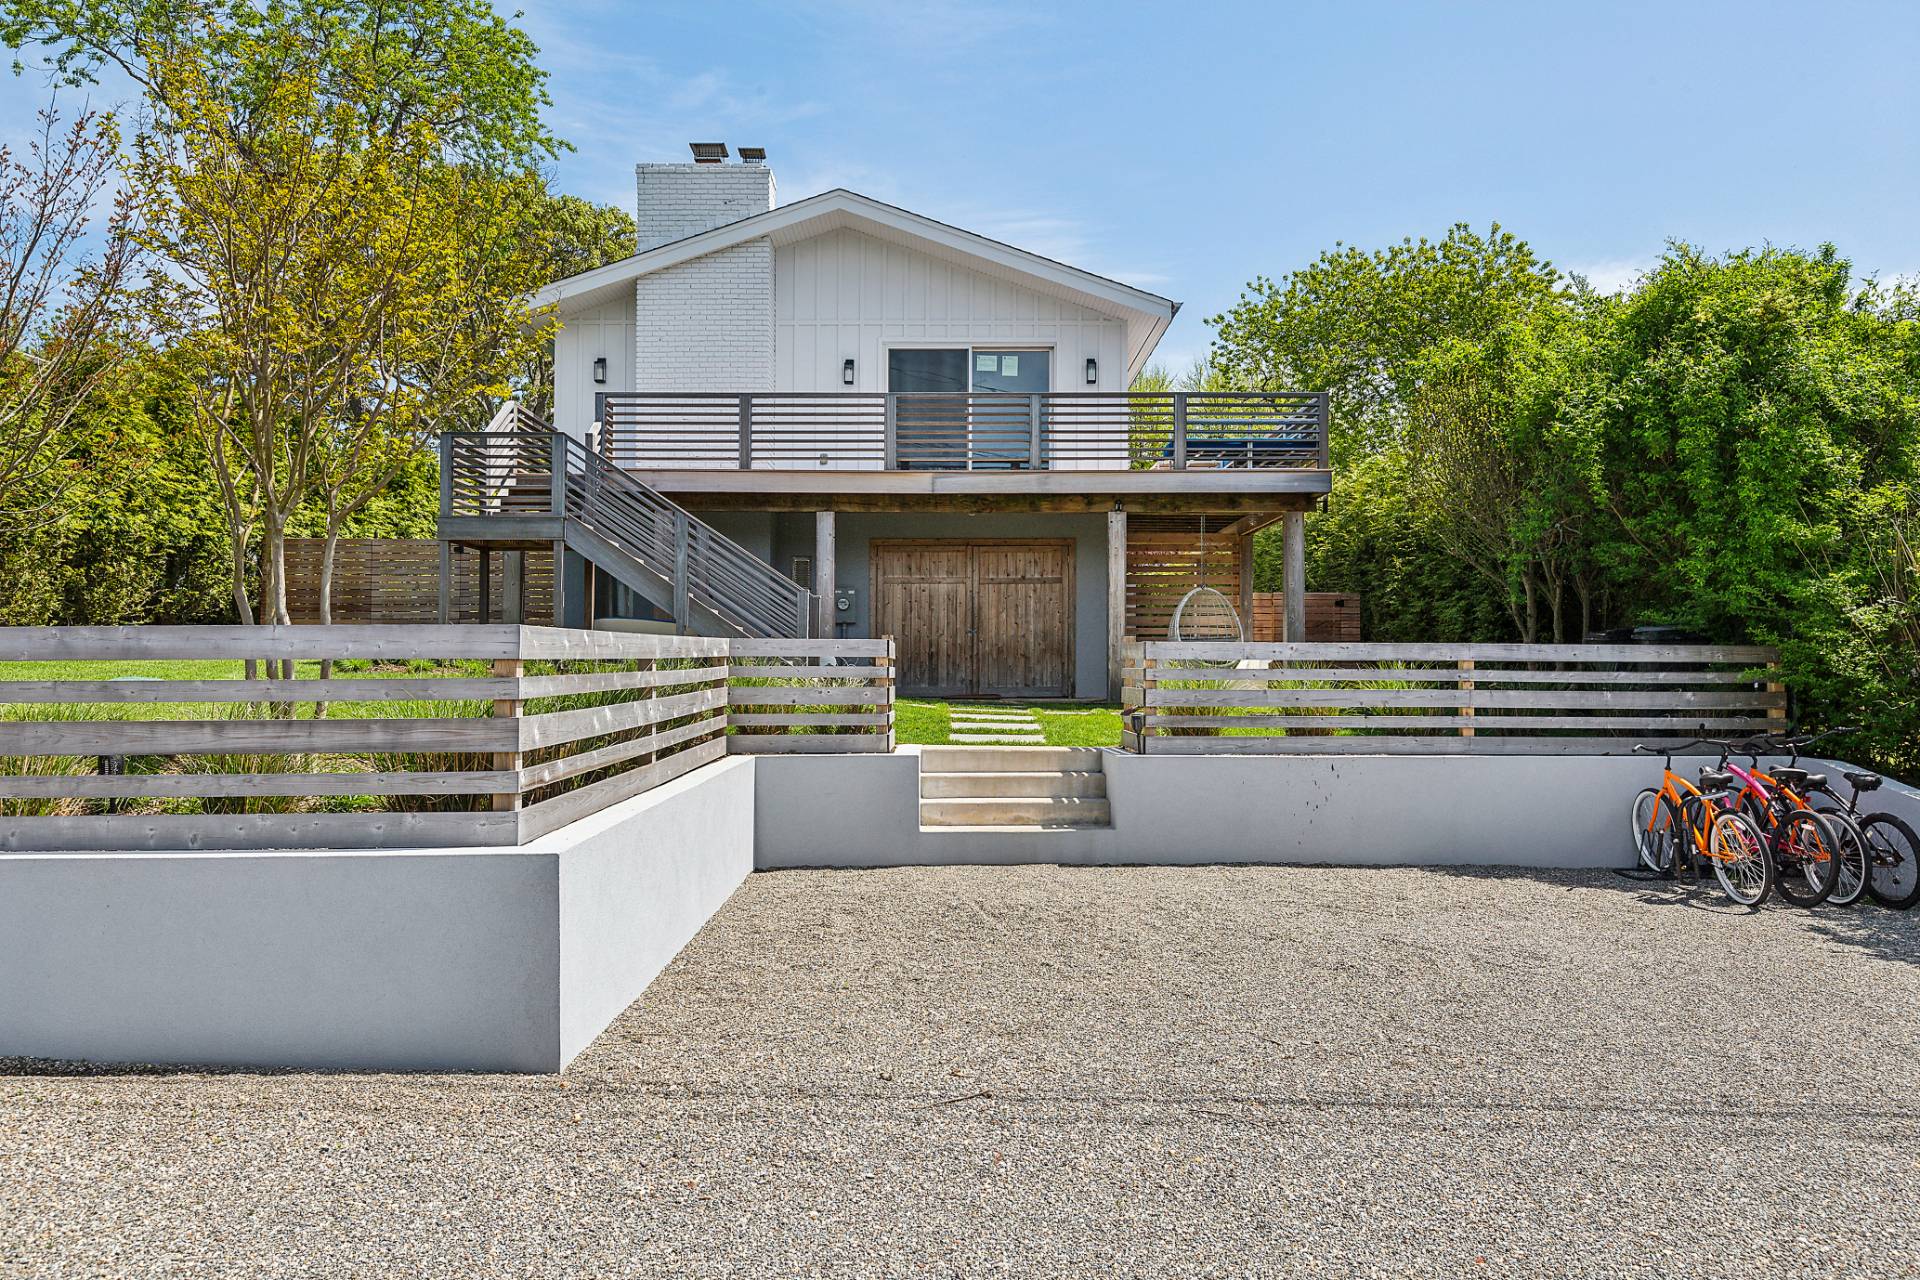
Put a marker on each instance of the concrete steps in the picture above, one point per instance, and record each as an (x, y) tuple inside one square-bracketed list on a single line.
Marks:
[(1008, 785), (1015, 788)]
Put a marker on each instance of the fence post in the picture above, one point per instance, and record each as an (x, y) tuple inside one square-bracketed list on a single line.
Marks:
[(884, 683), (1776, 716), (508, 709), (1179, 431), (746, 433), (1466, 698), (890, 439), (1145, 711)]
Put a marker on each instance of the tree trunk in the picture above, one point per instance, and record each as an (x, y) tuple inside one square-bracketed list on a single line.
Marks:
[(326, 608)]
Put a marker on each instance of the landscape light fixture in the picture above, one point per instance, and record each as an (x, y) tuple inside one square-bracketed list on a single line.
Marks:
[(600, 370), (846, 372), (1093, 371)]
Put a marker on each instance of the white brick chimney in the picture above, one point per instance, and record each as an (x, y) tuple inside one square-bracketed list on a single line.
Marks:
[(680, 200)]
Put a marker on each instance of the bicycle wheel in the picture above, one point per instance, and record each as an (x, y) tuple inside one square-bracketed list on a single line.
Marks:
[(1850, 880), (1806, 858), (1740, 859), (1893, 870), (1654, 831)]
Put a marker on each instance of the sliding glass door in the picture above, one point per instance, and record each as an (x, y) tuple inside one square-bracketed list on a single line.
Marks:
[(943, 428)]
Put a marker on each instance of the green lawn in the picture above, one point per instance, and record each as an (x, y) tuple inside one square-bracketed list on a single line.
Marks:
[(919, 722)]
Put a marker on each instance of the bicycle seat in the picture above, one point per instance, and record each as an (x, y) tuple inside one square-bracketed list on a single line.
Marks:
[(1714, 780), (1809, 782), (1790, 776), (1861, 779)]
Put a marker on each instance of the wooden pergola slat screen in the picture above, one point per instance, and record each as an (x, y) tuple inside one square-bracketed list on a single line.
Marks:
[(1333, 617), (1163, 565), (397, 581)]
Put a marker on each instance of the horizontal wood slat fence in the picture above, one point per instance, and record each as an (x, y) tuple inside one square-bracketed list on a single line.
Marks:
[(1333, 617), (397, 581), (810, 696), (432, 735), (1219, 698)]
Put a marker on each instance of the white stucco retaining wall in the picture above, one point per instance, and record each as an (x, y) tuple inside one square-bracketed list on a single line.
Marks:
[(1551, 811), (502, 960)]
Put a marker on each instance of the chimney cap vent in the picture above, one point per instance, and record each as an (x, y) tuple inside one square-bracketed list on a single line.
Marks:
[(753, 155), (708, 152)]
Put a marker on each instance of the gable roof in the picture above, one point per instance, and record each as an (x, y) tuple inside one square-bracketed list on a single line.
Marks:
[(1146, 315)]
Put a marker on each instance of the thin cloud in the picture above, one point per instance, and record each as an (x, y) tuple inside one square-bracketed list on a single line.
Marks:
[(1613, 275)]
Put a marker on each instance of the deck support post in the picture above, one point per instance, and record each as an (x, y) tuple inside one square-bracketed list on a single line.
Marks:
[(1245, 557), (485, 601), (1116, 597), (1293, 555), (445, 613), (513, 588), (824, 579)]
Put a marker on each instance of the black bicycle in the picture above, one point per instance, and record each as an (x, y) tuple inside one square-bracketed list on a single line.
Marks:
[(1893, 850)]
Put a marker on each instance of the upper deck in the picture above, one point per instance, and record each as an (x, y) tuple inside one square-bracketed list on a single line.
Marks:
[(781, 448)]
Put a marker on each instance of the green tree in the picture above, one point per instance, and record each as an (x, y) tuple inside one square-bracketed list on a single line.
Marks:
[(572, 235), (1354, 323)]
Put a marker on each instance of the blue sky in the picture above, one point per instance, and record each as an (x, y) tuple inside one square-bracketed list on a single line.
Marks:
[(1189, 148)]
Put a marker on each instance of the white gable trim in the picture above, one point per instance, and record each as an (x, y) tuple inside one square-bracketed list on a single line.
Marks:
[(1147, 315)]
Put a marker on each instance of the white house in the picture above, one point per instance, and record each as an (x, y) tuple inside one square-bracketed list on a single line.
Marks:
[(929, 428)]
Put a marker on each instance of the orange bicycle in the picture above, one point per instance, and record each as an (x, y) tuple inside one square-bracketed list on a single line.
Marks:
[(1817, 858), (1678, 819)]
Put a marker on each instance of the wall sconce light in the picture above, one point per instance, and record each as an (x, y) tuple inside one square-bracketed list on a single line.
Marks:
[(600, 370), (846, 372), (1093, 371)]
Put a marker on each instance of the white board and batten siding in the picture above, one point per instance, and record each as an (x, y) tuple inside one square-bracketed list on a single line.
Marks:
[(603, 330), (845, 294), (761, 317)]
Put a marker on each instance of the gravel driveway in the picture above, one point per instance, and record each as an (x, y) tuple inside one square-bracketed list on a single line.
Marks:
[(1040, 1071)]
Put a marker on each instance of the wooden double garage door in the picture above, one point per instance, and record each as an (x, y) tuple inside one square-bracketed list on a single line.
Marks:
[(977, 618)]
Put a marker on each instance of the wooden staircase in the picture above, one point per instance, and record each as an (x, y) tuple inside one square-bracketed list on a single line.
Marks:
[(520, 484)]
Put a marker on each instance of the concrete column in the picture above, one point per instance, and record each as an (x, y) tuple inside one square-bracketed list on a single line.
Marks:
[(1116, 597), (823, 576), (1293, 546)]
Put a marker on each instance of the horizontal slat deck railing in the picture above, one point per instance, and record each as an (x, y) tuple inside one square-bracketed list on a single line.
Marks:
[(549, 475), (791, 696), (529, 728), (1222, 698), (888, 431)]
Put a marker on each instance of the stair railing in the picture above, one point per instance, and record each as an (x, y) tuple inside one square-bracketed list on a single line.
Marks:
[(524, 470)]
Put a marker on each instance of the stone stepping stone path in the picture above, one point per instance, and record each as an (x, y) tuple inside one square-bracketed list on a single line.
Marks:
[(994, 726)]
